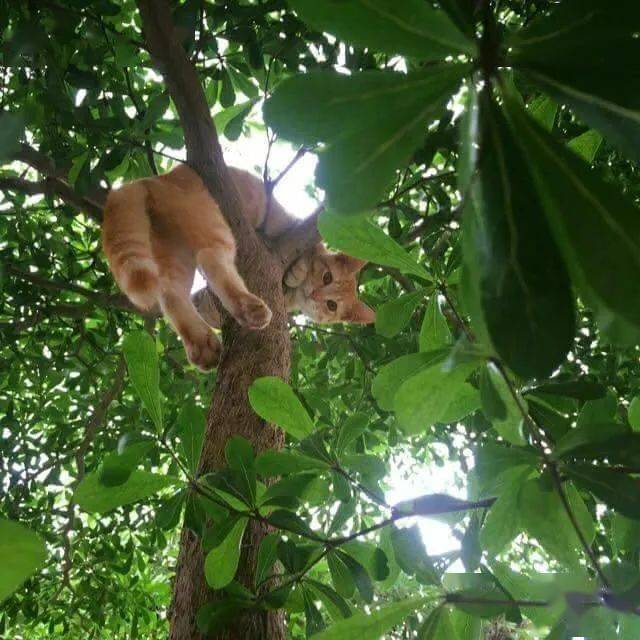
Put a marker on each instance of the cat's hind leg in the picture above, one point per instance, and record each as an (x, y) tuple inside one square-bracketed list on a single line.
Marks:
[(217, 261), (200, 343)]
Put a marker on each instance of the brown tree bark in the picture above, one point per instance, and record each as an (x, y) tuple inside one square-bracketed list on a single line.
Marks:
[(247, 355)]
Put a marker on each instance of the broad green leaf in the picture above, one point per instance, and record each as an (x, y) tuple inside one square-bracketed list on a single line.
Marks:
[(589, 434), (362, 238), (142, 361), (369, 626), (223, 119), (360, 575), (275, 463), (569, 55), (425, 398), (392, 375), (117, 467), (434, 332), (634, 414), (370, 122), (521, 285), (22, 552), (598, 411), (503, 522), (554, 531), (214, 616), (462, 13), (597, 230), (493, 406), (411, 556), (191, 425), (625, 532), (336, 605), (168, 515), (476, 594), (352, 428), (615, 489), (544, 110), (92, 496), (497, 465), (267, 554), (239, 456), (340, 575), (221, 563), (438, 626), (11, 130), (274, 401), (393, 316), (586, 145), (406, 27)]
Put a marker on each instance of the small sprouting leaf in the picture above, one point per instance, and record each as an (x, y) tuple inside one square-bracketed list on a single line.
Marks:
[(274, 401), (93, 496), (360, 237), (393, 316), (221, 563), (191, 424), (22, 552), (142, 361)]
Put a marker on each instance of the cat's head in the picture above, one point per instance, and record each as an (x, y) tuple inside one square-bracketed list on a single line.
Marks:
[(330, 290)]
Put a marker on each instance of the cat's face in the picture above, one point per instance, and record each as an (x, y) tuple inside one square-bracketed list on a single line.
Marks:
[(329, 292)]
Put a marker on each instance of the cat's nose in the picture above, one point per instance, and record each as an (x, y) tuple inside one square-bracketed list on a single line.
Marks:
[(315, 294)]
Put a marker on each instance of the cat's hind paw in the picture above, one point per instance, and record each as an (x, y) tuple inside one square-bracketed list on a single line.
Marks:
[(252, 312), (204, 353)]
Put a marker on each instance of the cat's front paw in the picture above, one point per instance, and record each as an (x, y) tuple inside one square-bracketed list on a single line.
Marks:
[(204, 352), (252, 312), (296, 274)]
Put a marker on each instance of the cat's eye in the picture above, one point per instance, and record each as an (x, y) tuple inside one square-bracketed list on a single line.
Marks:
[(332, 305), (327, 278)]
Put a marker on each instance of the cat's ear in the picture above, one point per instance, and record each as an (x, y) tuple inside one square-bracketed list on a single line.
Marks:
[(349, 263), (360, 313)]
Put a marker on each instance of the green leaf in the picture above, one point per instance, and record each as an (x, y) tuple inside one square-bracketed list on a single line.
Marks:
[(615, 489), (544, 110), (521, 285), (11, 131), (141, 355), (409, 27), (223, 119), (434, 332), (361, 238), (274, 401), (374, 624), (553, 531), (215, 616), (336, 605), (503, 522), (191, 424), (598, 411), (168, 515), (597, 230), (370, 122), (221, 563), (425, 398), (493, 405), (117, 467), (267, 555), (586, 145), (393, 316), (22, 552), (391, 376), (352, 428), (275, 463), (341, 577), (92, 496), (633, 414), (411, 555), (587, 435), (497, 466), (569, 55), (239, 456), (438, 626)]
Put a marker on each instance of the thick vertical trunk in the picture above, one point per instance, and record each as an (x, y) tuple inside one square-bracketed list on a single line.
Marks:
[(247, 356)]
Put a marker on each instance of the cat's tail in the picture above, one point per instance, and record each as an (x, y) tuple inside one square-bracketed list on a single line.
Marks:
[(126, 239)]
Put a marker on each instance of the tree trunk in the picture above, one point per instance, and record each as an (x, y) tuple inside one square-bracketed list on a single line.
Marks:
[(247, 356)]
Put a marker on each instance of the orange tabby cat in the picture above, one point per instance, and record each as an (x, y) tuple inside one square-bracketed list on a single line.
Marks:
[(158, 230)]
